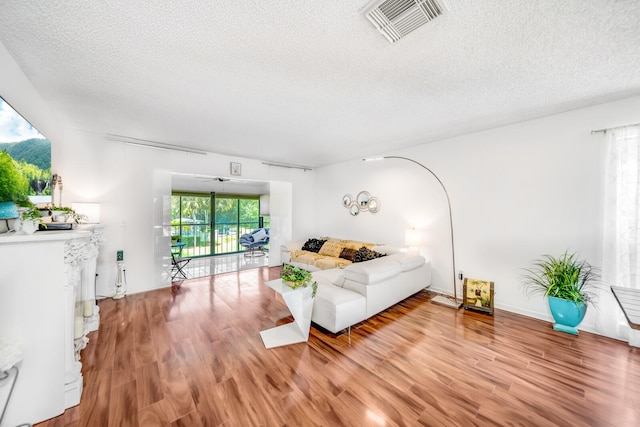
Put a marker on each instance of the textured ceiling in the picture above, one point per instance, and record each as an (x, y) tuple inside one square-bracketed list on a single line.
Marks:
[(312, 82)]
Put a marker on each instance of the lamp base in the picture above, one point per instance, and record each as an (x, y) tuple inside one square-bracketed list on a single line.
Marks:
[(447, 301)]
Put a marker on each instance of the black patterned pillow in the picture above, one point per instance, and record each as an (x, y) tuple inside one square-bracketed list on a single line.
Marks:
[(364, 254), (313, 245)]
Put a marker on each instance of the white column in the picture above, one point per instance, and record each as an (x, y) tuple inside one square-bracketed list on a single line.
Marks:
[(90, 309), (76, 253)]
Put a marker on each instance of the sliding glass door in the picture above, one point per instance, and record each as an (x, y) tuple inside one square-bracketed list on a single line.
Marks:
[(191, 223), (211, 224), (234, 216)]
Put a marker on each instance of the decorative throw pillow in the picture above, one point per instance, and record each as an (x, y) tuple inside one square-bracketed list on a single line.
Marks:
[(313, 245), (352, 244), (348, 254), (364, 254), (331, 248), (259, 235)]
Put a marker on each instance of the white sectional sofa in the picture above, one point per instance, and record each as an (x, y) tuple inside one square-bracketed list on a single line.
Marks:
[(354, 293)]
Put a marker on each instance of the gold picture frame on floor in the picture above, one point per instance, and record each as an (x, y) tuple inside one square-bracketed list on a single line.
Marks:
[(478, 295)]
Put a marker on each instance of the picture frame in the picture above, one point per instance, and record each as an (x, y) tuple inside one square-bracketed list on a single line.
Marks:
[(236, 168), (478, 295)]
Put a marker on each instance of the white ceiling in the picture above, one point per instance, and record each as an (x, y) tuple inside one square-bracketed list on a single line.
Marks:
[(215, 184), (312, 82)]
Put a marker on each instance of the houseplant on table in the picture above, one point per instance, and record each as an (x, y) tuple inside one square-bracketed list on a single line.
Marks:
[(567, 282), (296, 277)]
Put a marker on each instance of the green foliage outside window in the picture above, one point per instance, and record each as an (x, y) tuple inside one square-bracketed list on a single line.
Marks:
[(13, 185), (204, 231)]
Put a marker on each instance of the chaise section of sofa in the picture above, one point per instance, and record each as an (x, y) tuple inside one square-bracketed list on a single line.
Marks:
[(349, 295)]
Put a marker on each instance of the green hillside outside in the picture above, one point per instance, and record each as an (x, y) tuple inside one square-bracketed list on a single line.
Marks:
[(34, 151), (25, 169)]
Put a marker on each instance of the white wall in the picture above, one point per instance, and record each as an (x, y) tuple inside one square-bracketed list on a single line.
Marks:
[(129, 183), (517, 192), (133, 185)]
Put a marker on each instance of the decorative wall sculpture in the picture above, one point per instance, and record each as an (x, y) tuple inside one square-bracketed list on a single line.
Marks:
[(363, 202)]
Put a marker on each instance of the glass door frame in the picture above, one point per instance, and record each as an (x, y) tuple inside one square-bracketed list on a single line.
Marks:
[(238, 227)]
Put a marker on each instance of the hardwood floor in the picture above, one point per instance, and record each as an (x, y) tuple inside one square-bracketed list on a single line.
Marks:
[(194, 357)]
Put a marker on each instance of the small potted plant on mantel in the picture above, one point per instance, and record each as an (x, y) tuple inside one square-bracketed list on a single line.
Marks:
[(568, 284), (31, 219), (64, 214), (296, 277)]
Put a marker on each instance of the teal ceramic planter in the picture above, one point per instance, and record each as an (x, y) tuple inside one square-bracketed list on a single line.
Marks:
[(8, 210), (567, 314)]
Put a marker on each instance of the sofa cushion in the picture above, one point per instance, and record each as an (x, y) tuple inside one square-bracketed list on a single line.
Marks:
[(327, 262), (333, 275), (407, 261), (372, 271), (331, 247), (364, 254), (348, 253), (305, 257), (353, 244), (313, 245)]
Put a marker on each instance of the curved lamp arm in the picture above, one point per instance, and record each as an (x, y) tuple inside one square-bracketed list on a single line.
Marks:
[(455, 303)]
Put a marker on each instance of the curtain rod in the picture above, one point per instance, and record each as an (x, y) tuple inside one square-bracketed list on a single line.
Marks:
[(152, 144), (285, 165), (616, 127)]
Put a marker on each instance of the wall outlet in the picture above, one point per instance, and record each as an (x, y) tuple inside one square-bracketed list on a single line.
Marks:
[(460, 275)]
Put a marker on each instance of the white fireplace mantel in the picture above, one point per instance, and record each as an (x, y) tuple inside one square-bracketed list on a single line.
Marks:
[(47, 303)]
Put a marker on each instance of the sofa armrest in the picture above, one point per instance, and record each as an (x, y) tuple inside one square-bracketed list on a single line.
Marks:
[(291, 246), (286, 249)]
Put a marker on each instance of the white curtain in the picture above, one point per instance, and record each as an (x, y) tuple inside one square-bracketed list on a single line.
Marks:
[(621, 249)]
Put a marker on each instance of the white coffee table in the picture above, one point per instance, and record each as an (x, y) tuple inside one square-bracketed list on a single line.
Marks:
[(300, 305)]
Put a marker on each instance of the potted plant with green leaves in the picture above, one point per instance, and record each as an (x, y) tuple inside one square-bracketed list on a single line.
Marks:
[(296, 277), (22, 205), (64, 214), (31, 219), (568, 283)]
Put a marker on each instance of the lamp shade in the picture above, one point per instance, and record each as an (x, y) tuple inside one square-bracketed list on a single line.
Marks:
[(91, 211)]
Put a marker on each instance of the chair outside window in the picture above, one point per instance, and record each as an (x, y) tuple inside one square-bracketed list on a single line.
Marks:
[(178, 262), (254, 242)]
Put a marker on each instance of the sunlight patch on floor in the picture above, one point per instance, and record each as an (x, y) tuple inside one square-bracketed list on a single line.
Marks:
[(208, 266)]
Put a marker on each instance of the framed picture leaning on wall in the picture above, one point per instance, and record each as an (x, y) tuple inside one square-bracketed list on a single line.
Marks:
[(478, 295)]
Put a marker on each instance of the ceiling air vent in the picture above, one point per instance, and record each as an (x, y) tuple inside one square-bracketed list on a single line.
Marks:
[(397, 18)]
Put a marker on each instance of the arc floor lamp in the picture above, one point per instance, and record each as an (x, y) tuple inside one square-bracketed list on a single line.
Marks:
[(440, 299)]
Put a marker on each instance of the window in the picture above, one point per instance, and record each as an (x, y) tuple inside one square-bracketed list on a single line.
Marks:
[(206, 231), (191, 223)]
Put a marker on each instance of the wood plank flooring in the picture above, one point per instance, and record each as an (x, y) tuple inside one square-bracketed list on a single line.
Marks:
[(194, 358)]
